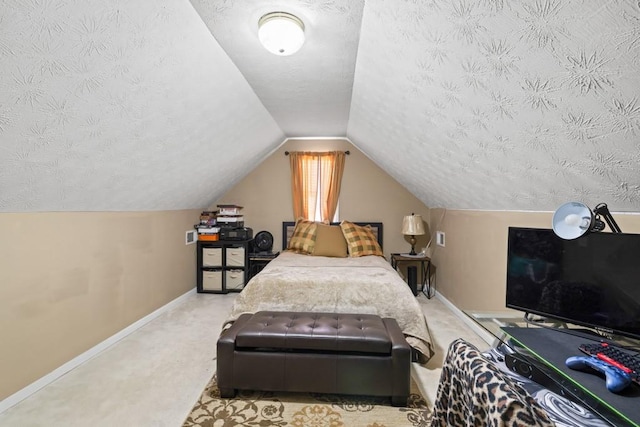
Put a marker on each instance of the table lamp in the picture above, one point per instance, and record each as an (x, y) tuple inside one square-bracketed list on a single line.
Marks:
[(412, 226)]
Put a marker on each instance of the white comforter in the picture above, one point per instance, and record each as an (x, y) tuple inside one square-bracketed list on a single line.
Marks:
[(294, 282)]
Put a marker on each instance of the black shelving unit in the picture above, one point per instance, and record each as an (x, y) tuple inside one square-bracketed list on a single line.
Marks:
[(223, 266)]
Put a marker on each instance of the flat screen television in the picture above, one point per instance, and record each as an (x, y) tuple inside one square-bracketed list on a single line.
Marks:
[(591, 281)]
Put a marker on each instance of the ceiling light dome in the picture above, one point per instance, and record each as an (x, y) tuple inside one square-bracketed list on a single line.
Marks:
[(281, 33)]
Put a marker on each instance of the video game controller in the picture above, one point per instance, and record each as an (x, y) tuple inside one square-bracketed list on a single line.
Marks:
[(616, 379)]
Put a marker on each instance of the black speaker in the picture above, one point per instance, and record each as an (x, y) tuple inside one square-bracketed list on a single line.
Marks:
[(522, 366), (412, 279), (519, 365), (559, 385)]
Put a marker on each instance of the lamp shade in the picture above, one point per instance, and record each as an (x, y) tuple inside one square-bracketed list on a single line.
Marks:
[(412, 225), (572, 220), (281, 33)]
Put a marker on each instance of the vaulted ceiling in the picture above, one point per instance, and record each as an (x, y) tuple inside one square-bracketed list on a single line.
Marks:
[(114, 105)]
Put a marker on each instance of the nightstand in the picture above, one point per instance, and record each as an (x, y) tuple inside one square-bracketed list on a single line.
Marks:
[(398, 259), (258, 260)]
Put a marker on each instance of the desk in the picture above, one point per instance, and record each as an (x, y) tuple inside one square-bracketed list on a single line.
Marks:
[(539, 354), (398, 259)]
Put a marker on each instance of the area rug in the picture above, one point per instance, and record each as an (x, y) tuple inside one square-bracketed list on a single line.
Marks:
[(267, 409)]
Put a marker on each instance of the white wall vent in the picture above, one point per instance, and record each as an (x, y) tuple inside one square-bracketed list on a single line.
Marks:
[(190, 237)]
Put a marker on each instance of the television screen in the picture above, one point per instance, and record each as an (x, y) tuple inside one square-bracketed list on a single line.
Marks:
[(591, 281)]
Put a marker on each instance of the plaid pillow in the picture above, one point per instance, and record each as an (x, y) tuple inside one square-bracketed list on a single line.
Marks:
[(303, 239), (360, 240)]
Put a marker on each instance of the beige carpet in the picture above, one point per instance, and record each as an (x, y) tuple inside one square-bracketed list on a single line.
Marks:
[(266, 409)]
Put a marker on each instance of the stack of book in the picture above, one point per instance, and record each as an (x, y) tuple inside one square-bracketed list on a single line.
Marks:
[(230, 216), (208, 229), (208, 232), (208, 218)]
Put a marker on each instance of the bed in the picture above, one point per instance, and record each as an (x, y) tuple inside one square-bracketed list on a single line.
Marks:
[(364, 284)]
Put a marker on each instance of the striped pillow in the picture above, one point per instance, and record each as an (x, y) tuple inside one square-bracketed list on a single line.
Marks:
[(303, 239), (360, 240)]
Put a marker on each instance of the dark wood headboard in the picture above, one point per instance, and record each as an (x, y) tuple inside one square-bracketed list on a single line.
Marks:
[(288, 226)]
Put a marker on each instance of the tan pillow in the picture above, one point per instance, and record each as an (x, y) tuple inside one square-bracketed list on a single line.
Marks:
[(303, 238), (360, 240), (330, 241)]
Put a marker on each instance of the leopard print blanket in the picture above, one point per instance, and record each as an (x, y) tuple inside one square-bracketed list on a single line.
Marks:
[(474, 392)]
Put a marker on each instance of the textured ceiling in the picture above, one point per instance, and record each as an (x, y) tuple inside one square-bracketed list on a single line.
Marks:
[(518, 105), (308, 93), (165, 104), (121, 105)]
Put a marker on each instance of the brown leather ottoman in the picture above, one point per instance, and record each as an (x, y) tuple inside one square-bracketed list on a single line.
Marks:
[(358, 354)]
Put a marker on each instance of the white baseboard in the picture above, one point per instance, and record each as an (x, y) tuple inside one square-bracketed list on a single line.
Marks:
[(482, 333), (92, 352)]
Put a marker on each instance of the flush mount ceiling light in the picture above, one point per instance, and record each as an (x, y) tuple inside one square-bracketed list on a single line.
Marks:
[(281, 33)]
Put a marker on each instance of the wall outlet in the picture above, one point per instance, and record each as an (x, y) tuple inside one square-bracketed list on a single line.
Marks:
[(190, 237), (440, 238)]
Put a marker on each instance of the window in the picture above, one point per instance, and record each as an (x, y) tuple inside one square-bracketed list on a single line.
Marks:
[(315, 184)]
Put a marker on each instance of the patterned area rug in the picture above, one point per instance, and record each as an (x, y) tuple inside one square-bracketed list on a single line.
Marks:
[(266, 409)]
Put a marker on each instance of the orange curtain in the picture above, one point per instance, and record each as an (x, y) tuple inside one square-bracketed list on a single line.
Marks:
[(304, 185), (312, 173), (331, 169)]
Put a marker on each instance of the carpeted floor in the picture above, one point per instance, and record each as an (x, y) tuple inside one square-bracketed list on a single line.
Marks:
[(267, 409), (122, 386)]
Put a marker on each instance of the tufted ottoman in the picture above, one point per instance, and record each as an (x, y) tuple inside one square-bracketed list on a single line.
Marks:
[(358, 354)]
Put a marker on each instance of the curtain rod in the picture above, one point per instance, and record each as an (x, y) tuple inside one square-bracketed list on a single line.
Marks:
[(286, 153)]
